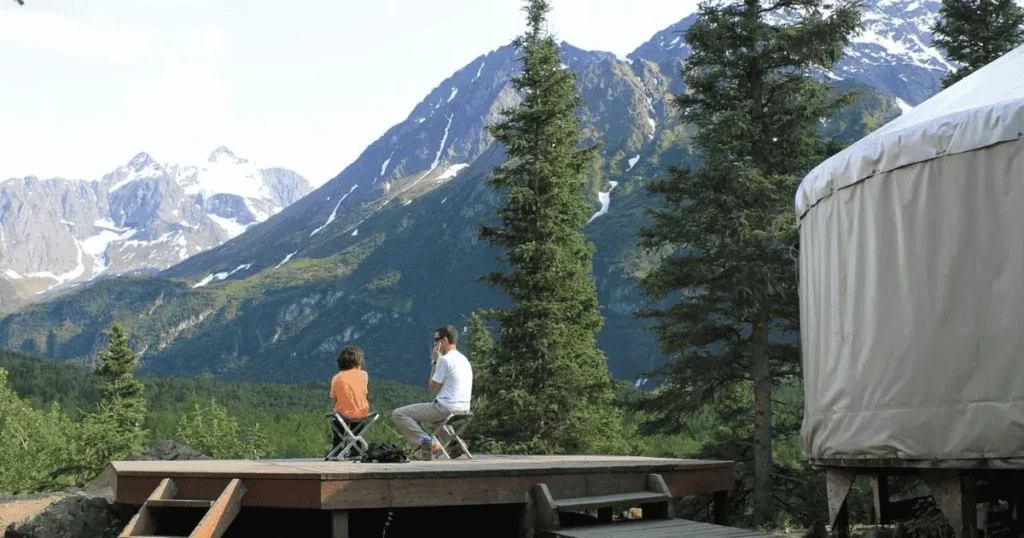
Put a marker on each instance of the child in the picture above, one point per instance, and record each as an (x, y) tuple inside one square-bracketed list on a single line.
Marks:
[(348, 388)]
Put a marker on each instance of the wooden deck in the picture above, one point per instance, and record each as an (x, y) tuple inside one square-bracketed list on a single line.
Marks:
[(485, 480), (670, 528)]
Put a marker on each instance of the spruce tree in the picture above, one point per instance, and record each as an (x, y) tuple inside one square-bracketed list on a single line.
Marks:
[(973, 33), (117, 430), (725, 301), (551, 381)]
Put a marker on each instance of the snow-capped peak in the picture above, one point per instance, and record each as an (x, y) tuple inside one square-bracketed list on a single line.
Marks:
[(222, 153), (141, 161)]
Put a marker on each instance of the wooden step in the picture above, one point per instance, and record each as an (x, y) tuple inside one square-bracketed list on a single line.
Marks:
[(655, 501), (178, 503), (163, 502), (619, 499)]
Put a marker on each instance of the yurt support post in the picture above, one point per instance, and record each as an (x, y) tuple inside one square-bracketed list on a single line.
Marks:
[(839, 483), (954, 492)]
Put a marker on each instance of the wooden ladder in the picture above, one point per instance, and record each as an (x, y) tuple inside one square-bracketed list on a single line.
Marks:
[(163, 509), (655, 501)]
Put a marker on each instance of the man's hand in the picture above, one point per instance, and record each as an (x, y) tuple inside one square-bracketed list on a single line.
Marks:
[(436, 353)]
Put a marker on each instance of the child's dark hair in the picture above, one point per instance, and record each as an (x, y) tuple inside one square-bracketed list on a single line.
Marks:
[(349, 358)]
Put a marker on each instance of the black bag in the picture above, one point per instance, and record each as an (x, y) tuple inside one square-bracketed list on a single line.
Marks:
[(385, 453)]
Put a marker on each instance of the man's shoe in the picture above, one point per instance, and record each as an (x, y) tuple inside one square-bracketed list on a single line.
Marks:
[(425, 450)]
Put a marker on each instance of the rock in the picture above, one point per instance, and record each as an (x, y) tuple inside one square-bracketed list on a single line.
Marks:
[(172, 451), (90, 512), (78, 516)]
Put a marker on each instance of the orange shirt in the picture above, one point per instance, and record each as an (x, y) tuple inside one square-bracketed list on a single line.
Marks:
[(348, 388)]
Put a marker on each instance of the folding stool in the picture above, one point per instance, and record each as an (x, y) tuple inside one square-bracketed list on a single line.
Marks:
[(351, 433), (459, 420)]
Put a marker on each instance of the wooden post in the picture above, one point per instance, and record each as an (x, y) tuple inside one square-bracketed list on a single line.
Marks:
[(528, 518), (721, 507), (880, 492), (339, 524)]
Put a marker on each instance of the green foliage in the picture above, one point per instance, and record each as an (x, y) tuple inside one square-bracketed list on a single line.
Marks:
[(548, 378), (974, 33), (208, 428), (725, 302), (33, 442), (45, 450)]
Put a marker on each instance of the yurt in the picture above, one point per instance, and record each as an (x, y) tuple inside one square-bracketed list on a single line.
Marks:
[(912, 282)]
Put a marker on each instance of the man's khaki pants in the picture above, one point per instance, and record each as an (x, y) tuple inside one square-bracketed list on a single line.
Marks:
[(409, 418)]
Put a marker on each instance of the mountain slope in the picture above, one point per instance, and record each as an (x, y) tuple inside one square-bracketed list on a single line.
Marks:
[(144, 216), (386, 251)]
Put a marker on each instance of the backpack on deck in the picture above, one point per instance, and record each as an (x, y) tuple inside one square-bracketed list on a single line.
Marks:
[(385, 453)]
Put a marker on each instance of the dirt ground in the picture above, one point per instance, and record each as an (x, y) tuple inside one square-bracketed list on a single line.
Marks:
[(16, 511)]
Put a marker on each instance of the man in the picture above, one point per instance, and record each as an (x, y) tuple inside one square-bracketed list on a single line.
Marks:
[(451, 377)]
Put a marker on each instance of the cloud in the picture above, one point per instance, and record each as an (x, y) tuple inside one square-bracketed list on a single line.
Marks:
[(74, 37)]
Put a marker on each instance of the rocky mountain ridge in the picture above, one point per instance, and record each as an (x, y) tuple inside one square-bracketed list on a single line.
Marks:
[(143, 216)]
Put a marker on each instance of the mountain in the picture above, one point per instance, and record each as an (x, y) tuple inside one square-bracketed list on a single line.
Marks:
[(387, 250), (56, 234)]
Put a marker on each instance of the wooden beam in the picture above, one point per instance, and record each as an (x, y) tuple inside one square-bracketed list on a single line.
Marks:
[(143, 523), (222, 513)]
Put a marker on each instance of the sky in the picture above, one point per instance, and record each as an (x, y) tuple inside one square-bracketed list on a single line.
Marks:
[(304, 84)]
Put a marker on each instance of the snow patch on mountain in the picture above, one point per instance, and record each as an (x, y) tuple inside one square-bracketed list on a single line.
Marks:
[(12, 274), (632, 162), (96, 246), (286, 259), (478, 71), (220, 276), (455, 91), (605, 198), (444, 140), (231, 226), (334, 214), (452, 171)]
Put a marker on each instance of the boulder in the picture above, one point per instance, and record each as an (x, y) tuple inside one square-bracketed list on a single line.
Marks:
[(77, 516), (90, 512), (171, 451)]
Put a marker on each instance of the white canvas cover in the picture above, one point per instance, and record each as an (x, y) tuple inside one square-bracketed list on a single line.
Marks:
[(912, 281)]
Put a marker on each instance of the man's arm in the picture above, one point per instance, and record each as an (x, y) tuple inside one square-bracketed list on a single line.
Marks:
[(435, 373)]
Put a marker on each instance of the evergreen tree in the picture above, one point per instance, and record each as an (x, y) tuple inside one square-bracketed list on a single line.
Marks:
[(117, 429), (725, 302), (551, 382), (973, 33)]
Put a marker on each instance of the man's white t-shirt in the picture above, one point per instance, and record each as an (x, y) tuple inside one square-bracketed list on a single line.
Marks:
[(454, 371)]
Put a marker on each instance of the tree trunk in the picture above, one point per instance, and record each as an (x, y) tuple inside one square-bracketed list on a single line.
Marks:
[(763, 513)]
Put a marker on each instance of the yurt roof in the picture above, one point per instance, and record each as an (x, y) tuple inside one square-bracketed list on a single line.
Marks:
[(985, 108)]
